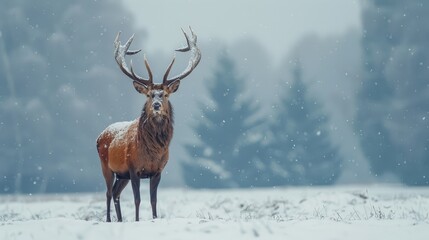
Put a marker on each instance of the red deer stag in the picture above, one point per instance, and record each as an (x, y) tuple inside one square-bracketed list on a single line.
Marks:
[(139, 149)]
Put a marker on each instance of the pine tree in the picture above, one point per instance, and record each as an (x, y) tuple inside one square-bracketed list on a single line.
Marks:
[(224, 156), (301, 151), (59, 88), (393, 100)]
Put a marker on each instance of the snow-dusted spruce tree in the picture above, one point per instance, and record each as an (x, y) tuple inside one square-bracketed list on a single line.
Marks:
[(59, 87), (300, 150), (393, 115), (224, 155)]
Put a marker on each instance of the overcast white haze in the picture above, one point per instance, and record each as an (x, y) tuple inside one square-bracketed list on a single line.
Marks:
[(274, 29), (336, 91), (277, 25), (264, 39)]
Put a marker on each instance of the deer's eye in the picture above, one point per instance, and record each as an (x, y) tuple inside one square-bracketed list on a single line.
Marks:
[(153, 95)]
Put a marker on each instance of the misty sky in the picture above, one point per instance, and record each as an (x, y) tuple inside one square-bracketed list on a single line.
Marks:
[(277, 25), (275, 31), (264, 39)]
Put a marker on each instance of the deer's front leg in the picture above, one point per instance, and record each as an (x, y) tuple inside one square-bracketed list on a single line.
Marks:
[(154, 182), (135, 183)]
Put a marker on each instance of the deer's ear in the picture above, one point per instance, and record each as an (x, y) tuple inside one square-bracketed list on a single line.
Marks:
[(173, 87), (140, 88)]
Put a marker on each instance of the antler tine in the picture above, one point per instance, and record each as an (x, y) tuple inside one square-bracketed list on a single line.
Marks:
[(164, 81), (187, 47), (129, 52), (116, 42), (149, 72), (193, 61), (120, 52)]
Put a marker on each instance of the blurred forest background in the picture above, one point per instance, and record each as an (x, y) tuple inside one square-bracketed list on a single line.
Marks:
[(347, 108)]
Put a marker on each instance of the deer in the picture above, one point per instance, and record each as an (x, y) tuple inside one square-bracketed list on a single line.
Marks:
[(139, 149)]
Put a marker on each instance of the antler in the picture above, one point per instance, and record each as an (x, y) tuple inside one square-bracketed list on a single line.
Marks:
[(193, 62), (121, 51)]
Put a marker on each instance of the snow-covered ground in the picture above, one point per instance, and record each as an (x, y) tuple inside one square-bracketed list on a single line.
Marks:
[(346, 212)]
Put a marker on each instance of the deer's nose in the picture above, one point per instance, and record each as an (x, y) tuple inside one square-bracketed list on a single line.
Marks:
[(156, 106)]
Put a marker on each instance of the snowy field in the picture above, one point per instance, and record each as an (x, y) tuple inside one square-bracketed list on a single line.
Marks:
[(358, 212)]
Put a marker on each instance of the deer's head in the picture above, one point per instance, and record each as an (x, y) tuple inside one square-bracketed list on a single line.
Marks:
[(157, 103)]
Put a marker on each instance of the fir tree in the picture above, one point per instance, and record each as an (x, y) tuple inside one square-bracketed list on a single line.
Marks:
[(301, 151), (224, 156), (59, 88), (393, 99)]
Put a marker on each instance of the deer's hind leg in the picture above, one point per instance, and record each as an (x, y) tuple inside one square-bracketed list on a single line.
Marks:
[(108, 176), (102, 148)]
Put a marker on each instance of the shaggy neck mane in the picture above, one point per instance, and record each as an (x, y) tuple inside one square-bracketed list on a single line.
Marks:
[(155, 132)]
